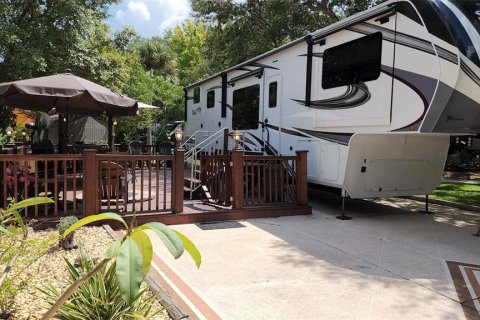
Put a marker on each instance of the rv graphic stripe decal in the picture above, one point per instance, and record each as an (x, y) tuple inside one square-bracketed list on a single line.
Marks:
[(354, 96), (287, 131), (269, 149), (337, 137), (406, 40), (469, 72)]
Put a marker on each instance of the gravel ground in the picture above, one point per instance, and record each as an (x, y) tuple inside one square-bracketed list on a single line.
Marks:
[(51, 269)]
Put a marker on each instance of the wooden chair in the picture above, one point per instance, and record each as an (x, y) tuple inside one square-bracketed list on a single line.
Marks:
[(112, 180)]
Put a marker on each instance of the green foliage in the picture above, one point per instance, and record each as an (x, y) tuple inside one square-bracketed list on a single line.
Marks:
[(132, 255), (458, 192), (7, 118), (99, 297), (17, 251), (20, 275), (65, 222), (154, 56), (244, 29), (71, 28), (186, 45), (3, 139), (158, 91)]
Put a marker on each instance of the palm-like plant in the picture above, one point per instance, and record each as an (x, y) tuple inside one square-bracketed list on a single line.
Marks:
[(132, 254), (99, 297)]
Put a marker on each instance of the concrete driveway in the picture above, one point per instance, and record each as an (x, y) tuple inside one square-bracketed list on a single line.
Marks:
[(389, 262)]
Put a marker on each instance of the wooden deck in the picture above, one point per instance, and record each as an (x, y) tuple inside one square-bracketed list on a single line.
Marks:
[(151, 187)]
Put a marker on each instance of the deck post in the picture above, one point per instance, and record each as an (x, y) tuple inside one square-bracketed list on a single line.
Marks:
[(301, 177), (237, 179), (90, 183), (225, 142), (178, 178)]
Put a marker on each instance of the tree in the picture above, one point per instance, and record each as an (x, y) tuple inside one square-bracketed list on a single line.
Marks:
[(40, 37), (154, 57), (187, 46), (242, 30)]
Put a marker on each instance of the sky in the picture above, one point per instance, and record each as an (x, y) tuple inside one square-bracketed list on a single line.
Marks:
[(148, 17)]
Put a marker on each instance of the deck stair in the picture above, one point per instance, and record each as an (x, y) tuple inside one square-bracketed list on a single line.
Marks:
[(200, 143)]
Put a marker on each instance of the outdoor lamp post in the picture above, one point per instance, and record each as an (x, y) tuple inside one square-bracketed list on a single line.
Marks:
[(179, 136), (237, 137), (9, 132)]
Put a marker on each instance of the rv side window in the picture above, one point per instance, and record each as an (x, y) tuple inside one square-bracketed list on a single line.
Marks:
[(196, 95), (352, 62), (246, 104), (210, 99), (272, 94)]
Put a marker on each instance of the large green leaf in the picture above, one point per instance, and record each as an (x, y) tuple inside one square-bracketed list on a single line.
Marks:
[(30, 202), (145, 246), (19, 219), (94, 218), (112, 251), (169, 237), (190, 248), (129, 269)]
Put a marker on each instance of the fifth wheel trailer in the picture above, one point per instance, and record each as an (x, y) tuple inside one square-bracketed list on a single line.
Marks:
[(373, 98)]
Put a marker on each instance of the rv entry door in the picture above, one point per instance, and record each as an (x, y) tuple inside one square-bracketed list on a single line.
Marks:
[(272, 114)]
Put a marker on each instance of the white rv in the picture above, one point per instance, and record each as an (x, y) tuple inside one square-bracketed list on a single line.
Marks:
[(373, 98)]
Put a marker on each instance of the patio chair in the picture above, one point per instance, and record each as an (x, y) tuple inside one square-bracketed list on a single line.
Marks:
[(112, 181), (136, 148), (45, 169), (164, 148)]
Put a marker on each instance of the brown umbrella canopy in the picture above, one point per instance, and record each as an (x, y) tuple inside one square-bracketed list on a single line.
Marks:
[(66, 93)]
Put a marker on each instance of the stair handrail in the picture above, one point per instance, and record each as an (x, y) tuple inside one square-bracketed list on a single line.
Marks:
[(202, 145), (197, 148), (193, 137)]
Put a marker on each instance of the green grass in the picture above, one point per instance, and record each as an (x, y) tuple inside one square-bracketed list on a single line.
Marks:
[(458, 192)]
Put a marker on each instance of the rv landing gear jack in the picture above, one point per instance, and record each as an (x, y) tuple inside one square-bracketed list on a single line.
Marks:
[(426, 207), (343, 216), (478, 232)]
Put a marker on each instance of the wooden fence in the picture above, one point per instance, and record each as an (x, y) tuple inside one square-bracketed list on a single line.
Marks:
[(247, 181), (90, 183)]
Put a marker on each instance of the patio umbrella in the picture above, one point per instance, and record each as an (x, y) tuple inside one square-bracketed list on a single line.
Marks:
[(66, 93)]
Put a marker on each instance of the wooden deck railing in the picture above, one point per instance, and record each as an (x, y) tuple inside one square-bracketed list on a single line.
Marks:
[(90, 183), (250, 181), (56, 176), (216, 177)]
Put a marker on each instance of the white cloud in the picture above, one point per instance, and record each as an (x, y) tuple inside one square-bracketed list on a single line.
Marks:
[(149, 17), (173, 12), (135, 10), (170, 22)]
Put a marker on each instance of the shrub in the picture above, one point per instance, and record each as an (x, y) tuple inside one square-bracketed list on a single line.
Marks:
[(20, 275), (99, 297), (63, 224), (132, 255), (17, 251)]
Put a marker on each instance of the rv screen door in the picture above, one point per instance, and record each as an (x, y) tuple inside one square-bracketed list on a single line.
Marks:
[(272, 110)]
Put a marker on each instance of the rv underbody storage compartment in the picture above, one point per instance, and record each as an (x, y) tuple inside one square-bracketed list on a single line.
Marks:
[(395, 164)]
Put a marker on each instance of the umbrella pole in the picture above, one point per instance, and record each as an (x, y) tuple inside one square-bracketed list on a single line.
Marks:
[(111, 142), (61, 133)]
